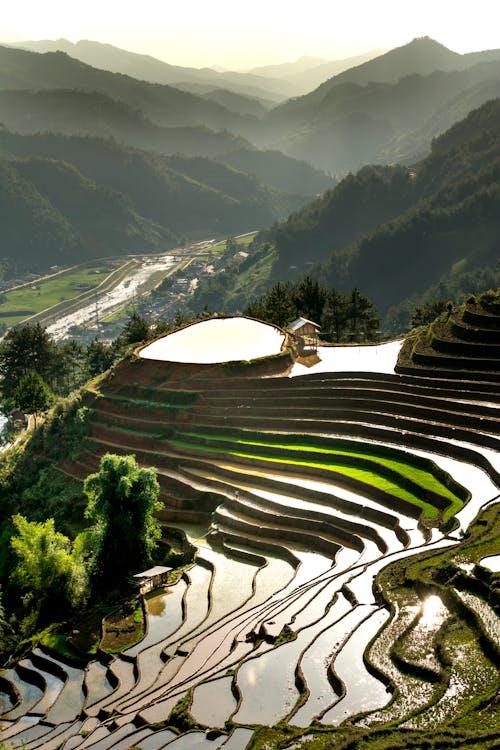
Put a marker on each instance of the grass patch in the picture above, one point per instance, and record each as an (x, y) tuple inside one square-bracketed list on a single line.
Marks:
[(28, 300), (180, 718), (123, 628), (58, 643)]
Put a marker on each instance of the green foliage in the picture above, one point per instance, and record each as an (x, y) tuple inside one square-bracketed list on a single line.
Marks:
[(310, 298), (355, 206), (180, 718), (30, 483), (50, 569), (4, 628), (33, 395), (23, 350), (121, 500), (136, 330), (342, 318), (88, 197), (424, 315), (277, 306), (285, 636), (100, 357), (64, 367)]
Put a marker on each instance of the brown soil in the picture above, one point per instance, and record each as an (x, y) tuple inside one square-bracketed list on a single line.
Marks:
[(120, 630), (310, 360), (86, 633)]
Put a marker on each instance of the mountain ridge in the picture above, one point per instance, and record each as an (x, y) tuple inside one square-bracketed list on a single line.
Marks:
[(395, 232), (148, 68)]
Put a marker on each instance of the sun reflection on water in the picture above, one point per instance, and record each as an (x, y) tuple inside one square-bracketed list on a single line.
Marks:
[(433, 612)]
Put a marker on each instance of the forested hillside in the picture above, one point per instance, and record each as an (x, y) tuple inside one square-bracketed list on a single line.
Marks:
[(70, 111), (384, 110), (452, 226), (147, 68), (165, 105), (395, 232), (85, 197), (360, 116), (219, 164)]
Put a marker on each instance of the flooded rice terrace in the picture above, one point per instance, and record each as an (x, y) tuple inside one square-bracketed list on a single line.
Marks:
[(217, 340), (273, 621)]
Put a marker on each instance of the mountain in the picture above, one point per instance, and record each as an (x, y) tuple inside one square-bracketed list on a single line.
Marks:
[(288, 69), (423, 55), (396, 232), (243, 105), (72, 218), (451, 224), (248, 94), (308, 73), (406, 148), (344, 124), (147, 68), (280, 171), (83, 197), (163, 105), (71, 111)]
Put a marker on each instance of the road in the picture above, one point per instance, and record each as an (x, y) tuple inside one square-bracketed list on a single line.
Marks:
[(104, 304)]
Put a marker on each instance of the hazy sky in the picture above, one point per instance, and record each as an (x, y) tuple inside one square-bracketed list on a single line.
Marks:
[(239, 34)]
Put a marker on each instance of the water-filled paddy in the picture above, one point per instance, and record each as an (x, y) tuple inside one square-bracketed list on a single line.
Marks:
[(363, 691), (491, 563), (213, 702), (380, 358), (164, 616), (217, 340)]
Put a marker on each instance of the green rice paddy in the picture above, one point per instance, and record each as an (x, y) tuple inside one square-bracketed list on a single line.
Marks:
[(368, 477), (418, 475)]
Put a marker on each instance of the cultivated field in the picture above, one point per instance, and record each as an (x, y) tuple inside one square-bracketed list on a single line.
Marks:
[(341, 592)]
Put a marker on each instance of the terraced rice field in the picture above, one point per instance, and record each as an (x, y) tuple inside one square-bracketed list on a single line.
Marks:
[(302, 491)]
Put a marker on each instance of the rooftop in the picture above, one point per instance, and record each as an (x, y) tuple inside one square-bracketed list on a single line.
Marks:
[(297, 324)]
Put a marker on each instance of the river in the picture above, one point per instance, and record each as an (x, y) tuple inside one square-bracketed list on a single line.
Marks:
[(108, 301)]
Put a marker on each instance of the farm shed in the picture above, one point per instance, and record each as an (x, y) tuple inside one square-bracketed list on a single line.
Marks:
[(305, 332), (152, 578)]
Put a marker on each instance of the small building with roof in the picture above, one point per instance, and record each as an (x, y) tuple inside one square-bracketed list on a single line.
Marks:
[(305, 333), (153, 578)]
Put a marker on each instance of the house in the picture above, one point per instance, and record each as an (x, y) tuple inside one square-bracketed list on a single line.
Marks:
[(152, 578), (305, 333), (18, 419)]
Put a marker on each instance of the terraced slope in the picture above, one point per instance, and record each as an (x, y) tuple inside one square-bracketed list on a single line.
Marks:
[(462, 343), (298, 493)]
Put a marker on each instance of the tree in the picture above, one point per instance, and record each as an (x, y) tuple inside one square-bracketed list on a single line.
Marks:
[(122, 500), (335, 316), (426, 314), (33, 395), (231, 245), (24, 349), (310, 298), (49, 569), (136, 329), (277, 306), (99, 357), (72, 367), (362, 316), (4, 629)]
